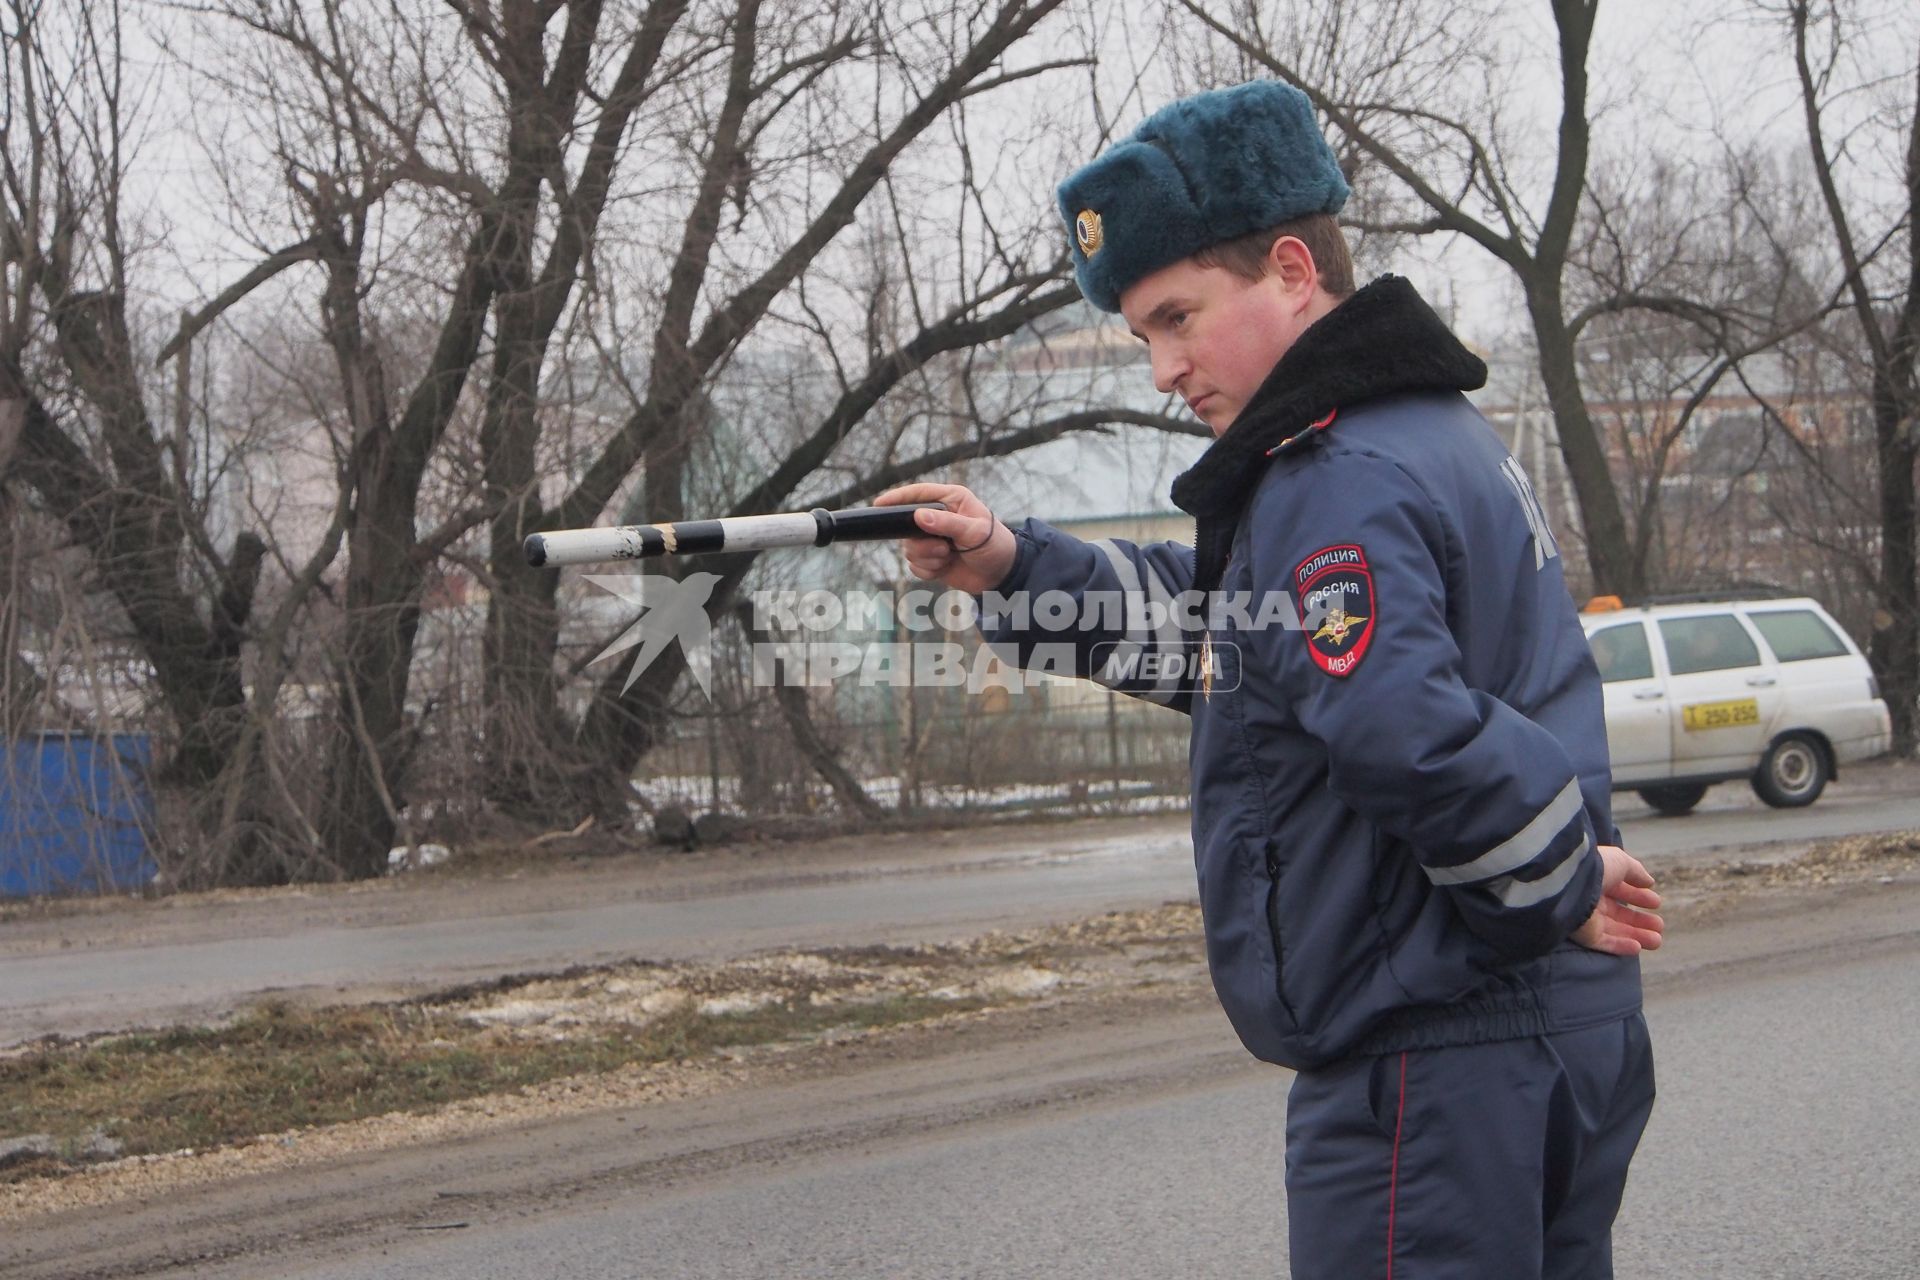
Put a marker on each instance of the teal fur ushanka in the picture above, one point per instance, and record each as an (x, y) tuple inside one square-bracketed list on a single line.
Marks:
[(1197, 172)]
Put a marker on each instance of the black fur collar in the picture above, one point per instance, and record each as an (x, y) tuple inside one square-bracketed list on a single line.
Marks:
[(1382, 341)]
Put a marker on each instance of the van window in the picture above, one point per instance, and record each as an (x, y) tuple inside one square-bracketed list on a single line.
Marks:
[(1795, 635), (1622, 653), (1712, 643)]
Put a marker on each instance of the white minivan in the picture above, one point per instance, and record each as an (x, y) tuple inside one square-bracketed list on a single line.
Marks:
[(1768, 690)]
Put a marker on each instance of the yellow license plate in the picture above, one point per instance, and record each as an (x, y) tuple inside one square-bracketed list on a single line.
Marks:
[(1721, 715)]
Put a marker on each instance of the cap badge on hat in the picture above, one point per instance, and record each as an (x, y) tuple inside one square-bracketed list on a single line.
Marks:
[(1087, 230)]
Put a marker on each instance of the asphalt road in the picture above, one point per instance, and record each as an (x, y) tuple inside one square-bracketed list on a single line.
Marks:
[(89, 982), (1778, 1151), (1873, 798)]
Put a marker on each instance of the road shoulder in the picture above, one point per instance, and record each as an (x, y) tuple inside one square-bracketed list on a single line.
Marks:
[(671, 1131)]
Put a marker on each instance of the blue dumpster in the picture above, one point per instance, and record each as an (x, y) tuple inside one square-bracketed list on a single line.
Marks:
[(74, 813)]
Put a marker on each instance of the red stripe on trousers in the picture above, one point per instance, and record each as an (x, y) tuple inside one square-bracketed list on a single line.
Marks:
[(1393, 1181)]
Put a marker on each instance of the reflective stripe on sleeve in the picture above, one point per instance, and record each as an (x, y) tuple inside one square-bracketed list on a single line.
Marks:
[(1165, 637), (1531, 841), (1526, 893)]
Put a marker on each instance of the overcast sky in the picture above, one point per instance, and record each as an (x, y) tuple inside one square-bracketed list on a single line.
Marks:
[(1667, 75)]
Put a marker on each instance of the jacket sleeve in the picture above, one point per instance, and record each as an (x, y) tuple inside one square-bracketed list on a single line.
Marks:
[(1487, 800), (1110, 611)]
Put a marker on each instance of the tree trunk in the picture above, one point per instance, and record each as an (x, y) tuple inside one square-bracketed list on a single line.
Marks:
[(1895, 649), (825, 761), (621, 726), (368, 747), (1610, 557), (530, 770), (794, 707), (24, 702), (196, 667), (526, 758)]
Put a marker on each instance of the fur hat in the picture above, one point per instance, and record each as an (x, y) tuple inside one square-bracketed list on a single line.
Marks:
[(1199, 171)]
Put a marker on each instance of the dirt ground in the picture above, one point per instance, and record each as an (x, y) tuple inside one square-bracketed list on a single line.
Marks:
[(1126, 991)]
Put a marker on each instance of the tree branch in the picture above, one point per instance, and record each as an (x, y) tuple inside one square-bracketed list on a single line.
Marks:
[(1094, 420), (675, 382), (306, 250), (956, 331), (1448, 212), (1798, 17)]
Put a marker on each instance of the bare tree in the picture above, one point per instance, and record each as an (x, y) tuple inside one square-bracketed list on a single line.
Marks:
[(495, 183), (1701, 273), (342, 148), (82, 441), (1835, 53), (1424, 110), (785, 82), (781, 175)]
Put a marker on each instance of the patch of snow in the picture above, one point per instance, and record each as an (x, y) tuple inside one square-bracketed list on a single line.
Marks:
[(739, 1002), (423, 855), (1024, 981), (515, 1013), (658, 1003)]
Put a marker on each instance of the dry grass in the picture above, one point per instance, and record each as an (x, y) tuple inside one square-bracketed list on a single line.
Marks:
[(281, 1067), (1840, 860)]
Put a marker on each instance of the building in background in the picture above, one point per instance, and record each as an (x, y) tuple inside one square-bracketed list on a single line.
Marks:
[(1760, 478)]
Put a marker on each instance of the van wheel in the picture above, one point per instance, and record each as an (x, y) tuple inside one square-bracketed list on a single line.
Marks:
[(1793, 773), (1674, 800)]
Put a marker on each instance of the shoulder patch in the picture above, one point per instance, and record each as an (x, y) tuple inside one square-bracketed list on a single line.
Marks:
[(1334, 587)]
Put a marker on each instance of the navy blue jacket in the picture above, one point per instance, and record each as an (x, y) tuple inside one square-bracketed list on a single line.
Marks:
[(1395, 801)]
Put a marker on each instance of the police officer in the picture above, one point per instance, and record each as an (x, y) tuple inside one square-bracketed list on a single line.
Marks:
[(1408, 869)]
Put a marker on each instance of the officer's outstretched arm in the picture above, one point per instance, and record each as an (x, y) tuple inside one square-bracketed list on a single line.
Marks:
[(1115, 612)]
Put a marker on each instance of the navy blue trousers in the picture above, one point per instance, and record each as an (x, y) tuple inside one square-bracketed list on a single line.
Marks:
[(1501, 1161)]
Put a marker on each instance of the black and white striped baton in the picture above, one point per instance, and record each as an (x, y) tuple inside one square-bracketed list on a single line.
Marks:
[(814, 528)]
